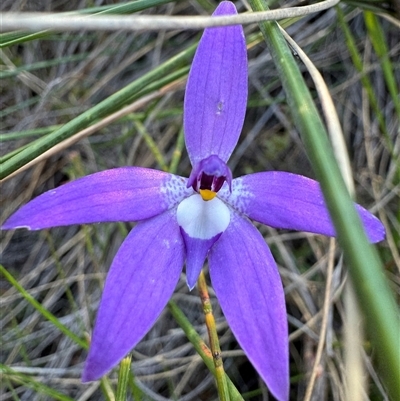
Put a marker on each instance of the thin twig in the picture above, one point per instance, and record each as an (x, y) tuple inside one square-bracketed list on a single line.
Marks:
[(69, 22), (330, 114), (327, 303)]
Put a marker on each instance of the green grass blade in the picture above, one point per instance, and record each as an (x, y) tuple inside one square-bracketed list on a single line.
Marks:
[(152, 145), (30, 382), (378, 41), (106, 388), (200, 347), (176, 156), (373, 292), (377, 6), (12, 38), (125, 8), (13, 153), (42, 64), (11, 136), (19, 106), (365, 81), (102, 109), (123, 378), (137, 394), (42, 310)]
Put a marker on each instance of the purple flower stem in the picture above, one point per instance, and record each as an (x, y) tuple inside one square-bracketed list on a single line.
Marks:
[(213, 338)]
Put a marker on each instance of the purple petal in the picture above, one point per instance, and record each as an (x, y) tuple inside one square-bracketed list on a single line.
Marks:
[(290, 201), (196, 253), (216, 92), (121, 194), (139, 284), (248, 287)]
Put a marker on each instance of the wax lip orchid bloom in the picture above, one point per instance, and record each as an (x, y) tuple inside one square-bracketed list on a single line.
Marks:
[(205, 216)]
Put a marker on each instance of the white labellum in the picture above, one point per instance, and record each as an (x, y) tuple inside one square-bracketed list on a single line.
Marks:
[(203, 219)]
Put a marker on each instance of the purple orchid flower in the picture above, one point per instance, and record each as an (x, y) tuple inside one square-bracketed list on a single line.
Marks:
[(205, 216)]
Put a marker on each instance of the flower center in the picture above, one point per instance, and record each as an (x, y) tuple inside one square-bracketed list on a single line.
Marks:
[(208, 177)]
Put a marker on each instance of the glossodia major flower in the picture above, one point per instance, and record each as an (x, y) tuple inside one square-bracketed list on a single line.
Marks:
[(188, 220)]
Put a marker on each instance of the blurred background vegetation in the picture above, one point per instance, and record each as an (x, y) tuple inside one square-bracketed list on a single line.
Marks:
[(48, 79)]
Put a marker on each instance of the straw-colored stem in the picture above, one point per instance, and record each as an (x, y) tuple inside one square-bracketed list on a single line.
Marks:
[(200, 347), (324, 323), (213, 336)]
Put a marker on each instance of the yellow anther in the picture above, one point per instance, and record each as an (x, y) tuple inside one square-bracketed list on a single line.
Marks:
[(207, 195)]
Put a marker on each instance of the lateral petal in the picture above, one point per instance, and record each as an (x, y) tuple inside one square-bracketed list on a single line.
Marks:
[(120, 194), (290, 201), (140, 282), (248, 287), (216, 92)]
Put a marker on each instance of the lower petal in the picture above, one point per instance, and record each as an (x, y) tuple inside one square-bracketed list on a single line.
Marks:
[(140, 282), (247, 284), (196, 254)]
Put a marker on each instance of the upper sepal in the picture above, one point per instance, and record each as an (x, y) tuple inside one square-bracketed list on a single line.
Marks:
[(216, 92)]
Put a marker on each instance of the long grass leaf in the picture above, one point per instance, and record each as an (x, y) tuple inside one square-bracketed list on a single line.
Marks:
[(102, 109), (372, 289), (13, 38), (378, 41)]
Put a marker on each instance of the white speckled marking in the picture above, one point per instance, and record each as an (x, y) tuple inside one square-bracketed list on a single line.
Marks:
[(173, 190), (240, 196)]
